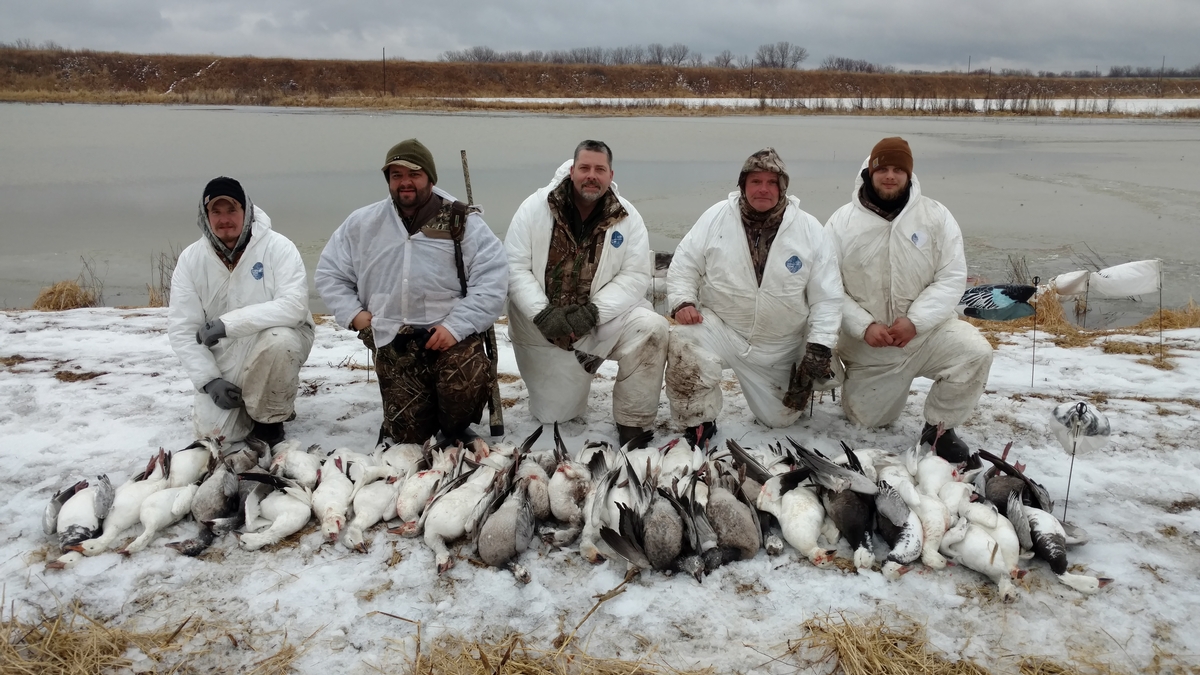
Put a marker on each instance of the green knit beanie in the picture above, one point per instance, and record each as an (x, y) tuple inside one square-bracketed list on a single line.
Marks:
[(413, 155)]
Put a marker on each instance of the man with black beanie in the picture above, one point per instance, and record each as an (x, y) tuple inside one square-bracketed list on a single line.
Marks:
[(904, 271), (239, 319)]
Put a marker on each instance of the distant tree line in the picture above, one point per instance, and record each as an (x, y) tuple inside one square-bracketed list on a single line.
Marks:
[(773, 55)]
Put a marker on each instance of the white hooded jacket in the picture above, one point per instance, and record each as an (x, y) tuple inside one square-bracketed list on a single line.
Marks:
[(267, 288), (622, 275), (799, 299), (913, 266)]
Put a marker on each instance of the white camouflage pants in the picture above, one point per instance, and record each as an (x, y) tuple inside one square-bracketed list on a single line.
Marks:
[(954, 355), (696, 356), (559, 386), (269, 378)]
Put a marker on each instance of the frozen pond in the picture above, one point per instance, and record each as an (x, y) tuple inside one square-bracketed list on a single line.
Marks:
[(119, 184)]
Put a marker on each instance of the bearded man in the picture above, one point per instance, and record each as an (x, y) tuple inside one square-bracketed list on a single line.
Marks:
[(579, 268), (238, 318), (753, 286), (421, 277), (904, 271)]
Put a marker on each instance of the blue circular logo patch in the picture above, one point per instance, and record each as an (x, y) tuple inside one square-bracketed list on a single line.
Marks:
[(793, 264), (617, 240), (257, 270)]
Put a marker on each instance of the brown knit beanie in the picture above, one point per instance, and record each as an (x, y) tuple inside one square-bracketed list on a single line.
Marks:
[(764, 160), (413, 155), (892, 151)]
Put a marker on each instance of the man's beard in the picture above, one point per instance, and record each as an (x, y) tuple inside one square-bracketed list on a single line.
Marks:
[(892, 194), (593, 196), (402, 200)]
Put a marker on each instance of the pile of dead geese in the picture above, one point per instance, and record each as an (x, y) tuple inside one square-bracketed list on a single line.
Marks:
[(671, 509)]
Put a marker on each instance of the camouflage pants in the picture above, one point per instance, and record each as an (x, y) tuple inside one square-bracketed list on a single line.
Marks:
[(426, 391)]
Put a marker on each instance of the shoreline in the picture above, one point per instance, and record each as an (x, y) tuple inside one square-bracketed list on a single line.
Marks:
[(1115, 108)]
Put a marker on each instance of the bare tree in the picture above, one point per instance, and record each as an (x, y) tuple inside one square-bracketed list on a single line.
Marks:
[(619, 56), (637, 54), (743, 61), (656, 54), (854, 65), (695, 60), (676, 54), (723, 60), (780, 55)]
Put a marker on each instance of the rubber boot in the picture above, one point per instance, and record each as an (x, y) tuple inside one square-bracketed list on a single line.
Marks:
[(627, 434), (949, 446)]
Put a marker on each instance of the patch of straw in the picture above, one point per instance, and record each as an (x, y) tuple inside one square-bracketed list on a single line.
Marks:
[(85, 291), (1187, 316), (873, 647), (515, 655)]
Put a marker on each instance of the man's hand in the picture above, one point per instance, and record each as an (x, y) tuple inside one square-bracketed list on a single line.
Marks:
[(552, 321), (227, 395), (688, 315), (441, 339), (361, 320), (582, 319), (878, 335), (210, 333), (902, 331)]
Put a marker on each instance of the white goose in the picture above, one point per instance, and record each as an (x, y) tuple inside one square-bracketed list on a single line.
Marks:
[(190, 464), (799, 512), (971, 546), (449, 516), (127, 504), (302, 466), (373, 502), (331, 499), (161, 509), (415, 491), (283, 513), (1041, 532), (81, 509)]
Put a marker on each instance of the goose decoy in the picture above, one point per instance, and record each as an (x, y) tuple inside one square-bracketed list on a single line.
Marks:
[(998, 302), (1079, 427)]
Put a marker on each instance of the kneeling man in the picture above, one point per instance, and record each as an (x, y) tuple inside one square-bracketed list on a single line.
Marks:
[(579, 266), (904, 271), (239, 319), (753, 286)]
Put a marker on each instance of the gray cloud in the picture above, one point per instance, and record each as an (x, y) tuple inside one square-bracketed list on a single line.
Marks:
[(934, 34)]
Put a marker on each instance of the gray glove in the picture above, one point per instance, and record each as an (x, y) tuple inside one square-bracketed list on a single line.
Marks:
[(210, 332), (227, 395), (552, 321), (582, 318)]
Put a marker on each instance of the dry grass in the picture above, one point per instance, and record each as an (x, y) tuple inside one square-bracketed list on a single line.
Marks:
[(17, 359), (508, 378), (75, 643), (84, 76), (76, 375), (515, 656), (873, 647), (1187, 316), (162, 266), (85, 291)]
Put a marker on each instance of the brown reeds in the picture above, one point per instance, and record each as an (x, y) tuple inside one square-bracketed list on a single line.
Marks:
[(85, 291), (516, 656), (162, 266), (1187, 316), (91, 77), (875, 647)]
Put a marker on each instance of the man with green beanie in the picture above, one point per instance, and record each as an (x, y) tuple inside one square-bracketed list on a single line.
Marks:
[(755, 288), (421, 277), (904, 271), (579, 260)]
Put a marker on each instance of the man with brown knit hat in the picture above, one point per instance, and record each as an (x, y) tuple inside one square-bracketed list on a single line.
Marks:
[(754, 287), (904, 271), (421, 277)]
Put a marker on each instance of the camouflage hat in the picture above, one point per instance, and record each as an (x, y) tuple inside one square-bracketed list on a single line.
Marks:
[(765, 160), (411, 154)]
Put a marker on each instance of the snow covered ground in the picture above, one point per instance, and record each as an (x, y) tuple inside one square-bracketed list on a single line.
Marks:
[(1138, 498)]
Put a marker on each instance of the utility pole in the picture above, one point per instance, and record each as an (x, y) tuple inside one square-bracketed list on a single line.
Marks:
[(1160, 76), (385, 89), (968, 64)]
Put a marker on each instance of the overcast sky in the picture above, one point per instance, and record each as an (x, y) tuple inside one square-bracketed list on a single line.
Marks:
[(926, 34)]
